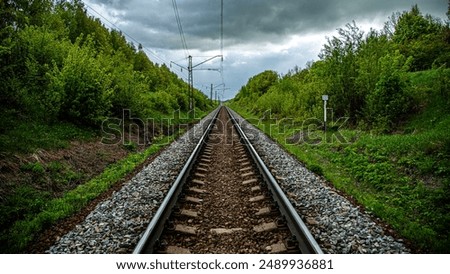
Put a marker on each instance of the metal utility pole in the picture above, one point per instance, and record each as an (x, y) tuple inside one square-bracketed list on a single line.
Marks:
[(191, 83), (218, 95), (215, 89), (190, 70), (211, 92)]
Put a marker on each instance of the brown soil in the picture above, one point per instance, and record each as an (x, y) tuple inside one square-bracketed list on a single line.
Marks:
[(49, 236), (85, 159)]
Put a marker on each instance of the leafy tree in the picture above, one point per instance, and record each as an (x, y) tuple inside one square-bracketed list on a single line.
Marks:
[(390, 100), (7, 65), (339, 56), (142, 63), (257, 86), (26, 12), (84, 84), (365, 75), (420, 37), (126, 85), (369, 68), (261, 83), (41, 50)]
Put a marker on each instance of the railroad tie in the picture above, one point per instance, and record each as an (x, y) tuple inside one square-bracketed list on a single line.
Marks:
[(243, 164), (197, 190), (186, 229), (266, 227), (201, 175), (256, 189), (249, 182), (257, 199), (277, 248), (189, 213), (263, 211), (198, 182), (177, 250), (193, 200), (245, 169), (201, 169), (248, 174), (224, 231)]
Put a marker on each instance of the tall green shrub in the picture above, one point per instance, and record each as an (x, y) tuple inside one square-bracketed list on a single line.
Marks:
[(390, 100), (85, 85), (42, 51)]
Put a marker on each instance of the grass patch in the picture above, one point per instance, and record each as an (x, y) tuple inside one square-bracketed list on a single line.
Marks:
[(27, 136), (24, 231), (401, 178)]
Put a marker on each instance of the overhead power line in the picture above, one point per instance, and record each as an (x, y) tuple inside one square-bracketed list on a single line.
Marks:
[(221, 29), (221, 41), (180, 28), (191, 67), (112, 25)]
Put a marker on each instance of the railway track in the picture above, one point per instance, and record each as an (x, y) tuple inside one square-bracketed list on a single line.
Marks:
[(226, 201)]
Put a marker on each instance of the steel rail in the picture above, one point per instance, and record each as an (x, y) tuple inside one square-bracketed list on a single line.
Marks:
[(307, 243), (151, 235)]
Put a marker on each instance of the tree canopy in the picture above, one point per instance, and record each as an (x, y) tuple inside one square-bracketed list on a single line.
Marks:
[(59, 63)]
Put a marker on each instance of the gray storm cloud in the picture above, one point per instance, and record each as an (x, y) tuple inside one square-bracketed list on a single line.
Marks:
[(254, 30), (249, 21)]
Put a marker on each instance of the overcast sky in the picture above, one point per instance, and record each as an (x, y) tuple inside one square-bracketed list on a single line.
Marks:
[(258, 34)]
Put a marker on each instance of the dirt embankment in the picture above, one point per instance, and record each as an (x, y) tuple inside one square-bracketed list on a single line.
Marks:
[(26, 180)]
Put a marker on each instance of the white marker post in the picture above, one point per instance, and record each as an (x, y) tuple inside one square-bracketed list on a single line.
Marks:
[(325, 99)]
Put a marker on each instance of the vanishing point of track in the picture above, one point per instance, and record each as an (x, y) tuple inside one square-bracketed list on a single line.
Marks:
[(226, 201)]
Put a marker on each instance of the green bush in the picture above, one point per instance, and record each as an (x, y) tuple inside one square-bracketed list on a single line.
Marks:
[(161, 101), (85, 85), (390, 100), (42, 51)]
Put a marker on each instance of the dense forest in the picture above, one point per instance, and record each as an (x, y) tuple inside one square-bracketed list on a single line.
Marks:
[(387, 142), (365, 75), (58, 63)]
